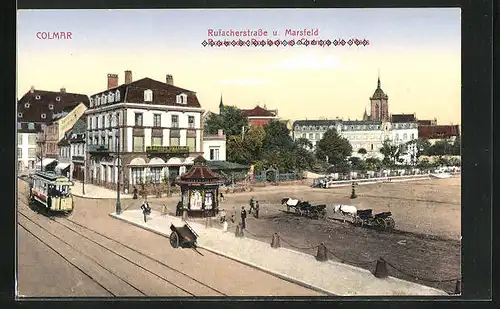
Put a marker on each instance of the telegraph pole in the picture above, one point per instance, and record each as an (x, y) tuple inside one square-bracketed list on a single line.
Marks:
[(118, 205)]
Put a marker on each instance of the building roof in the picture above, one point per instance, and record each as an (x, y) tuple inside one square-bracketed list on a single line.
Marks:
[(427, 122), (37, 102), (399, 118), (163, 93), (225, 165), (76, 133), (200, 173), (321, 122), (438, 131), (258, 112)]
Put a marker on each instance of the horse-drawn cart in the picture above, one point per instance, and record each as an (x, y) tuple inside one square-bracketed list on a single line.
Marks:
[(304, 208), (183, 236), (382, 221)]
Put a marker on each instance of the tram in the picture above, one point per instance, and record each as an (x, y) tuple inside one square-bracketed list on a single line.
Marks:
[(52, 191)]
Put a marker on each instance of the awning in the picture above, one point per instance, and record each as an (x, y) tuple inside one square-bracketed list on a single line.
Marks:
[(46, 162), (62, 166)]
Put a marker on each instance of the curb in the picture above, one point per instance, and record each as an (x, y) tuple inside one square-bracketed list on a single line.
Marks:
[(277, 275), (100, 198)]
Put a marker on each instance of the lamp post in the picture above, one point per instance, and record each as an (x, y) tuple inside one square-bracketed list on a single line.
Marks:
[(118, 209), (41, 143), (84, 165)]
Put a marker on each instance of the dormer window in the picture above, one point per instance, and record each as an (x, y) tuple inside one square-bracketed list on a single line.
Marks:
[(111, 97), (26, 105), (19, 115), (148, 95), (51, 106), (44, 116), (37, 97), (182, 98), (104, 99), (91, 102), (58, 99), (117, 95), (97, 101)]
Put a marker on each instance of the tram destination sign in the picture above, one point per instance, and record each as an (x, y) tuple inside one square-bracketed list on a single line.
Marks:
[(168, 150)]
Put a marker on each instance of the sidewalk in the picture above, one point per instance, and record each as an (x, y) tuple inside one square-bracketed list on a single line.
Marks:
[(95, 192), (329, 277)]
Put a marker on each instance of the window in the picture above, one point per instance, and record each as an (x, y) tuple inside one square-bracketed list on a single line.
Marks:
[(148, 95), (191, 143), (405, 136), (26, 105), (97, 101), (91, 102), (182, 99), (58, 99), (117, 95), (175, 121), (31, 139), (95, 140), (157, 120), (44, 116), (397, 136), (138, 144), (104, 98), (116, 143), (138, 119), (31, 152), (311, 136), (102, 121), (51, 106), (156, 141), (19, 152), (190, 121), (111, 97), (19, 126), (175, 141), (137, 175), (372, 147), (19, 139), (317, 136), (214, 154), (155, 173), (412, 136), (304, 135)]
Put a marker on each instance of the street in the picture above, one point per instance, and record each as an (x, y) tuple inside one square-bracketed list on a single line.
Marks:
[(90, 254)]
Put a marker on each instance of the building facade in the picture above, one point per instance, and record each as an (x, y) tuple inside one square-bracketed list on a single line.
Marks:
[(313, 130), (214, 147), (156, 127), (365, 134), (434, 133), (379, 105), (35, 109)]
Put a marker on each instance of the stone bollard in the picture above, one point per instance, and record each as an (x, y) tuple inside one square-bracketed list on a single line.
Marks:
[(322, 254), (458, 287), (184, 215), (164, 209), (353, 193), (381, 269), (275, 243)]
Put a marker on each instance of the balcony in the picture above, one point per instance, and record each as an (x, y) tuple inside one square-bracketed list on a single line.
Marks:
[(191, 125), (175, 124), (98, 149), (78, 158), (167, 150)]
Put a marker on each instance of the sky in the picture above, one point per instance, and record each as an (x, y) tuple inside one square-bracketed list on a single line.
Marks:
[(417, 53)]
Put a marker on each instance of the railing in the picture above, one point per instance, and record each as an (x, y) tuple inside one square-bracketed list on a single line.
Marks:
[(78, 158)]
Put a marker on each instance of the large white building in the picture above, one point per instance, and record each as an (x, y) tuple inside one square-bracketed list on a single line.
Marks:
[(156, 125), (214, 147), (27, 134)]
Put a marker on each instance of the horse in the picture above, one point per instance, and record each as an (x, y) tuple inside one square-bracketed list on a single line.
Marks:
[(346, 210)]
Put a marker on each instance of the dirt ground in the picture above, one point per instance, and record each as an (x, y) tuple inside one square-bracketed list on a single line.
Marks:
[(425, 244)]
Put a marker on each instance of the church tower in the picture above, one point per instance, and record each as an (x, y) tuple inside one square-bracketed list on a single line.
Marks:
[(221, 105), (379, 104)]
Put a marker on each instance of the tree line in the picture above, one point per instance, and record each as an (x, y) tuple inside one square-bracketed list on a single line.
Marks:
[(273, 147)]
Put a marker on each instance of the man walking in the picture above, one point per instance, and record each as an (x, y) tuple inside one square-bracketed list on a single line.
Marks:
[(243, 217), (257, 206), (146, 210), (251, 205)]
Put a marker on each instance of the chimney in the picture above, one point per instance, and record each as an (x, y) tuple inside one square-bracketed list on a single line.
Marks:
[(32, 89), (220, 133), (63, 90), (112, 81), (128, 77), (169, 80)]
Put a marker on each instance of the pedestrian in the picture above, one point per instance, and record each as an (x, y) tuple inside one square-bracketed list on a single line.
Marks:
[(257, 206), (178, 209), (135, 193), (146, 210), (251, 205), (243, 217), (224, 225), (222, 215)]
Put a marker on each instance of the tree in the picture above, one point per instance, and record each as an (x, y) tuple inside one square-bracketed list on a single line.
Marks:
[(457, 147), (231, 120), (373, 163), (253, 142), (423, 147), (441, 148), (390, 152), (277, 137), (362, 151), (236, 150), (304, 143), (333, 146)]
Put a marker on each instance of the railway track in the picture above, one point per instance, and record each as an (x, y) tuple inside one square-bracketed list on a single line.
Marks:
[(189, 286)]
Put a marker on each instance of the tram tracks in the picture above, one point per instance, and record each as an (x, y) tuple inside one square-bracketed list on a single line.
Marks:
[(149, 266)]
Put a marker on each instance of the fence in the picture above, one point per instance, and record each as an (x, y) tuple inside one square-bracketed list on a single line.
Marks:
[(357, 174), (281, 177), (380, 265)]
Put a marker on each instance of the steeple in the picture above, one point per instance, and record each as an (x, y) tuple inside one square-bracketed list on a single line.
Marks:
[(378, 81), (221, 105)]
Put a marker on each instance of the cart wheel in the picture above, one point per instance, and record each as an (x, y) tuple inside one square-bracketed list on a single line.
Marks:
[(297, 211), (390, 223), (381, 224), (174, 240), (322, 214)]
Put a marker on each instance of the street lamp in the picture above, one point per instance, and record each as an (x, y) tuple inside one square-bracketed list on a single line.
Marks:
[(118, 209), (41, 139)]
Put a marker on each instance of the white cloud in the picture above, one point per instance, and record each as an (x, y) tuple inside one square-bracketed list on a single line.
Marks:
[(308, 62), (245, 82)]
